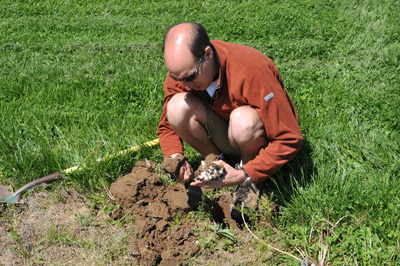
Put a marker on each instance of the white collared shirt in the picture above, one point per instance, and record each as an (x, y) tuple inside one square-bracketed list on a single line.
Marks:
[(211, 89)]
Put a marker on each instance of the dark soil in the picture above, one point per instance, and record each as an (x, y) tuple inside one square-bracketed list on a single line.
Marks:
[(159, 238)]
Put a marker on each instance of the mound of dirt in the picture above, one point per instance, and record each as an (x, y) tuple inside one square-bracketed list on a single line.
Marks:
[(162, 235)]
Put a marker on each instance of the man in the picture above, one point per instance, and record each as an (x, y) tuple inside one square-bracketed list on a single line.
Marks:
[(225, 98)]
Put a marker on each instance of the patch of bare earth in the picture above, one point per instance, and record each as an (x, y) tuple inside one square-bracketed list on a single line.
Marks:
[(161, 234), (59, 229), (153, 227)]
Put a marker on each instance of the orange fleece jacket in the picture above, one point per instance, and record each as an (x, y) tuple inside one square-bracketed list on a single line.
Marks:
[(246, 77)]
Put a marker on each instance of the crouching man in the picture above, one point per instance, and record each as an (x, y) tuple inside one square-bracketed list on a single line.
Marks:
[(225, 98)]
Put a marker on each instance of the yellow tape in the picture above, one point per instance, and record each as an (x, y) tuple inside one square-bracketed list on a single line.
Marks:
[(150, 143)]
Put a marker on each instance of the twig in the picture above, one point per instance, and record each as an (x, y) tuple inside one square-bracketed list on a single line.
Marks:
[(331, 224), (338, 221), (355, 259), (148, 163), (294, 245), (395, 251), (344, 257), (324, 255), (311, 231), (274, 248), (109, 194)]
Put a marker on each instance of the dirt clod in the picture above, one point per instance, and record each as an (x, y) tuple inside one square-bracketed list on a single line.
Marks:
[(208, 170), (172, 165)]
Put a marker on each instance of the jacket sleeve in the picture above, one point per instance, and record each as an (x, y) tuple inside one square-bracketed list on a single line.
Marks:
[(265, 93), (169, 141)]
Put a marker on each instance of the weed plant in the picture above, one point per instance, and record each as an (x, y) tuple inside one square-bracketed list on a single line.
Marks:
[(80, 80)]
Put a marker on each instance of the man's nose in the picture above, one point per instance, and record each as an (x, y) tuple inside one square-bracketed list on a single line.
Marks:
[(188, 85)]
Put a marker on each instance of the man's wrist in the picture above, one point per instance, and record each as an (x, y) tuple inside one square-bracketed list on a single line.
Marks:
[(247, 180), (175, 155)]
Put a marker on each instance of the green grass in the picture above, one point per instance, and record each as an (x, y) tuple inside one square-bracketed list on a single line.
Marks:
[(81, 80)]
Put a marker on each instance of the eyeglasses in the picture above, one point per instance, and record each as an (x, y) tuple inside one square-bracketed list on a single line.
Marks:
[(192, 76)]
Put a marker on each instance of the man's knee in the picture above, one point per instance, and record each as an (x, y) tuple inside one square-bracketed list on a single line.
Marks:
[(245, 124), (184, 106), (247, 132), (177, 103)]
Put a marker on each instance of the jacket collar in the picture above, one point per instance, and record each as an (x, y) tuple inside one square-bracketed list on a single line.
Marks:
[(221, 75)]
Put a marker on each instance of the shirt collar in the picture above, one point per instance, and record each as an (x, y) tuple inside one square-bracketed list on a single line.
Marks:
[(212, 88)]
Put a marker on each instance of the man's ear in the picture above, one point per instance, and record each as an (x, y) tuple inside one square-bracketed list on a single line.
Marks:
[(208, 52)]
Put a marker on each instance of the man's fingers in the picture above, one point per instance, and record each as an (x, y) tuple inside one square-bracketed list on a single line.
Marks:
[(220, 162), (196, 183), (188, 173), (185, 172), (181, 177)]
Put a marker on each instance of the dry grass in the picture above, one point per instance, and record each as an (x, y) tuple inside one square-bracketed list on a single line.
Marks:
[(61, 226)]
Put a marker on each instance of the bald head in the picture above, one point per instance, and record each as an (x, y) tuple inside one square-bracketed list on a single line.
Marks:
[(188, 53), (179, 35), (191, 35)]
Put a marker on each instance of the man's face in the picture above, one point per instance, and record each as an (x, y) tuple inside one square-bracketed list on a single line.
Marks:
[(190, 78), (184, 67)]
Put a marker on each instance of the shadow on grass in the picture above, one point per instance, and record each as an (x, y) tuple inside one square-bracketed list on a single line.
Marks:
[(283, 184), (296, 173)]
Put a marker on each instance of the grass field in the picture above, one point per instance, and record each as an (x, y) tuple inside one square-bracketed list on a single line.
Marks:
[(81, 80)]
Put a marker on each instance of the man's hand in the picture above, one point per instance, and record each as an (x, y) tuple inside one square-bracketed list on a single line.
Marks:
[(232, 177), (185, 173)]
